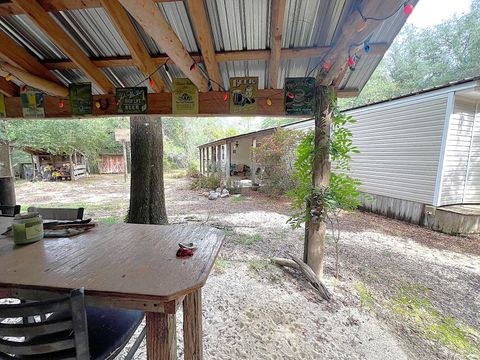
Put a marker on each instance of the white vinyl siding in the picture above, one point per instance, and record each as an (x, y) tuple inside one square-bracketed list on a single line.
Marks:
[(399, 145), (472, 187), (457, 152)]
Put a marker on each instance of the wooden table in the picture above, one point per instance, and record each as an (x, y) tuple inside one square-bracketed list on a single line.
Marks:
[(121, 265)]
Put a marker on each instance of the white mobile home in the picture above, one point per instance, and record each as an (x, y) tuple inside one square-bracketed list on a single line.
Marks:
[(420, 156)]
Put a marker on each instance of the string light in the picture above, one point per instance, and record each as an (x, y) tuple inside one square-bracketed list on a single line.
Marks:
[(97, 104), (61, 104), (225, 96), (290, 95), (8, 77), (407, 8), (151, 82), (193, 66), (269, 102), (350, 61), (326, 66)]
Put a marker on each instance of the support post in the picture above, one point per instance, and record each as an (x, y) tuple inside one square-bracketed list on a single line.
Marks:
[(228, 149), (7, 178), (254, 162), (125, 171), (192, 326), (316, 226), (72, 170)]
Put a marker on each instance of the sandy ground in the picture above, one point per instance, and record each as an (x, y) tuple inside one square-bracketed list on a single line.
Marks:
[(404, 293)]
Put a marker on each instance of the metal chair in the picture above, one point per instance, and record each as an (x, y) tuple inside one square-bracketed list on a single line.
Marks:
[(59, 213), (71, 331), (9, 210)]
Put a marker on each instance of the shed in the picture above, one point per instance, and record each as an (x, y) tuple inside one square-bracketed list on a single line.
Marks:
[(111, 164), (49, 165)]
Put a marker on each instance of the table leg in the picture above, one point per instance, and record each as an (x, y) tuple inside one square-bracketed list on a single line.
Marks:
[(192, 326), (161, 336)]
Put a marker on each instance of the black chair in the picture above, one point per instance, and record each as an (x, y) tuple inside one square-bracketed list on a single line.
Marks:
[(71, 331), (9, 210), (59, 213)]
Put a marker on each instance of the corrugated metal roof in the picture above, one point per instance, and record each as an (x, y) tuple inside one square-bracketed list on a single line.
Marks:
[(236, 25)]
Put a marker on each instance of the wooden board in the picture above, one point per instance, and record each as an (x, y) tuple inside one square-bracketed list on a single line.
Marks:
[(129, 261), (210, 103)]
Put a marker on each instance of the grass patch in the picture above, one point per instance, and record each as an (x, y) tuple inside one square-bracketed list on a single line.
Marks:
[(110, 220), (257, 265), (220, 265), (366, 298), (238, 198), (412, 303), (249, 239)]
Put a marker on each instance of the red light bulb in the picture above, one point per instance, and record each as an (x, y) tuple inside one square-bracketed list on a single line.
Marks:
[(350, 61), (192, 67), (152, 83), (61, 104), (408, 9), (290, 95), (326, 66), (225, 96)]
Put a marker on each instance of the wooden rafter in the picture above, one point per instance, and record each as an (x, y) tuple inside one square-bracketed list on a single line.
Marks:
[(337, 58), (37, 82), (140, 56), (45, 22), (154, 23), (200, 22), (308, 52), (16, 55), (8, 88), (278, 14), (9, 8)]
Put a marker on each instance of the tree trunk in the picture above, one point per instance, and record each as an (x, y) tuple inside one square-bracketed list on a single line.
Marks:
[(316, 226), (147, 196)]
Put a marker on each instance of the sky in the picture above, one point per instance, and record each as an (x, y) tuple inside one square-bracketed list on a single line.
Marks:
[(432, 12)]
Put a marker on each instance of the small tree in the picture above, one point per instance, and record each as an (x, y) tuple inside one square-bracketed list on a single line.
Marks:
[(276, 156), (341, 194)]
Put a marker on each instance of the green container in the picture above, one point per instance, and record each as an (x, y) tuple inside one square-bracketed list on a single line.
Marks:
[(27, 228)]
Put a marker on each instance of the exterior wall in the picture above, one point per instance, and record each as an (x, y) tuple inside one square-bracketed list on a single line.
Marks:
[(399, 143), (461, 174), (243, 153)]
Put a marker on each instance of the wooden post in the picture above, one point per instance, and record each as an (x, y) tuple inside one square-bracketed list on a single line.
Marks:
[(7, 179), (228, 148), (192, 326), (125, 171), (254, 163), (72, 170), (161, 336), (208, 160), (316, 227)]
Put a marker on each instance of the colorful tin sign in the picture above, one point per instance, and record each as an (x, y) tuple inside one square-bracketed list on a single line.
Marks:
[(81, 99), (299, 96), (243, 95), (32, 102), (184, 97), (132, 100)]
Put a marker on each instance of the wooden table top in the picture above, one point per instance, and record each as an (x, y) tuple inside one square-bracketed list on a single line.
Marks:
[(131, 260)]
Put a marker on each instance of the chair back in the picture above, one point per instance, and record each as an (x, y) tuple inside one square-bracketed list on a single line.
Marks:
[(59, 213), (65, 338), (9, 210)]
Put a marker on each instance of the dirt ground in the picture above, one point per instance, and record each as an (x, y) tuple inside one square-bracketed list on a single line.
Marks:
[(405, 292)]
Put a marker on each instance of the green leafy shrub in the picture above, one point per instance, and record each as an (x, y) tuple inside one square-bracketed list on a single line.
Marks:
[(210, 182), (192, 171), (276, 156)]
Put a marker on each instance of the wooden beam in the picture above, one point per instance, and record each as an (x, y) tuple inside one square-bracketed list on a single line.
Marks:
[(154, 23), (8, 88), (225, 56), (347, 92), (8, 8), (16, 55), (278, 14), (337, 58), (210, 104), (141, 57), (201, 24), (46, 23), (37, 82)]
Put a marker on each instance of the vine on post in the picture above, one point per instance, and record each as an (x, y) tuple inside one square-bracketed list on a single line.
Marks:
[(325, 203)]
